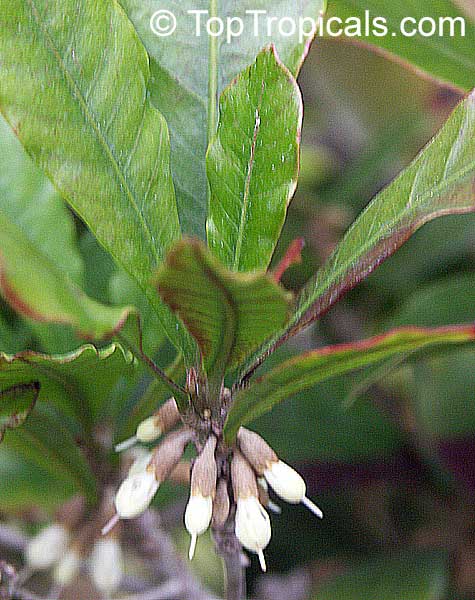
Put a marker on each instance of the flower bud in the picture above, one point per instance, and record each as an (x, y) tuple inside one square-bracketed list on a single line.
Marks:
[(203, 488), (106, 565), (181, 474), (47, 547), (145, 476), (135, 494), (167, 455), (67, 568), (252, 526), (141, 462), (289, 485), (285, 482), (166, 417), (197, 518), (221, 504), (257, 451)]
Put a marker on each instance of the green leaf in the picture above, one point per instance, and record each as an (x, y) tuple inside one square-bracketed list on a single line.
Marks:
[(446, 390), (77, 383), (327, 432), (122, 291), (140, 406), (451, 299), (228, 314), (416, 576), (181, 92), (321, 429), (36, 288), (441, 392), (252, 163), (24, 485), (440, 181), (441, 387), (28, 199), (304, 371), (448, 58), (76, 96), (16, 404), (14, 333), (99, 268), (45, 440)]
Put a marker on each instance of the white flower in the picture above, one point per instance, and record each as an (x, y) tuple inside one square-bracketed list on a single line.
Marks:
[(135, 494), (141, 462), (149, 430), (289, 485), (166, 417), (197, 518), (106, 565), (47, 547), (126, 444), (252, 527), (67, 568)]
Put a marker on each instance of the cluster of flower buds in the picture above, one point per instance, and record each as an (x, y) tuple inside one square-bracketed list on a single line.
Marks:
[(69, 543), (150, 469), (244, 473)]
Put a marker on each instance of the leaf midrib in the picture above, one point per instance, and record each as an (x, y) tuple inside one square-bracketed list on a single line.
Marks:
[(94, 126), (247, 185), (228, 332)]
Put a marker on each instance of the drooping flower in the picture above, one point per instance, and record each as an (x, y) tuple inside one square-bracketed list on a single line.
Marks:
[(47, 547), (221, 504), (284, 480), (107, 565), (67, 568), (141, 484), (289, 485), (197, 518), (199, 509), (150, 429), (253, 527), (135, 494), (252, 523), (264, 498)]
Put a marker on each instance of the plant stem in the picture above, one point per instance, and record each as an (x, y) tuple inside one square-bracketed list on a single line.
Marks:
[(11, 539), (235, 583), (229, 548), (212, 76), (155, 543), (178, 392)]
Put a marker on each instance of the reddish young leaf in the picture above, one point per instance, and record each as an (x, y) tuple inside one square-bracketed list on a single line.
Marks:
[(292, 256), (306, 370)]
